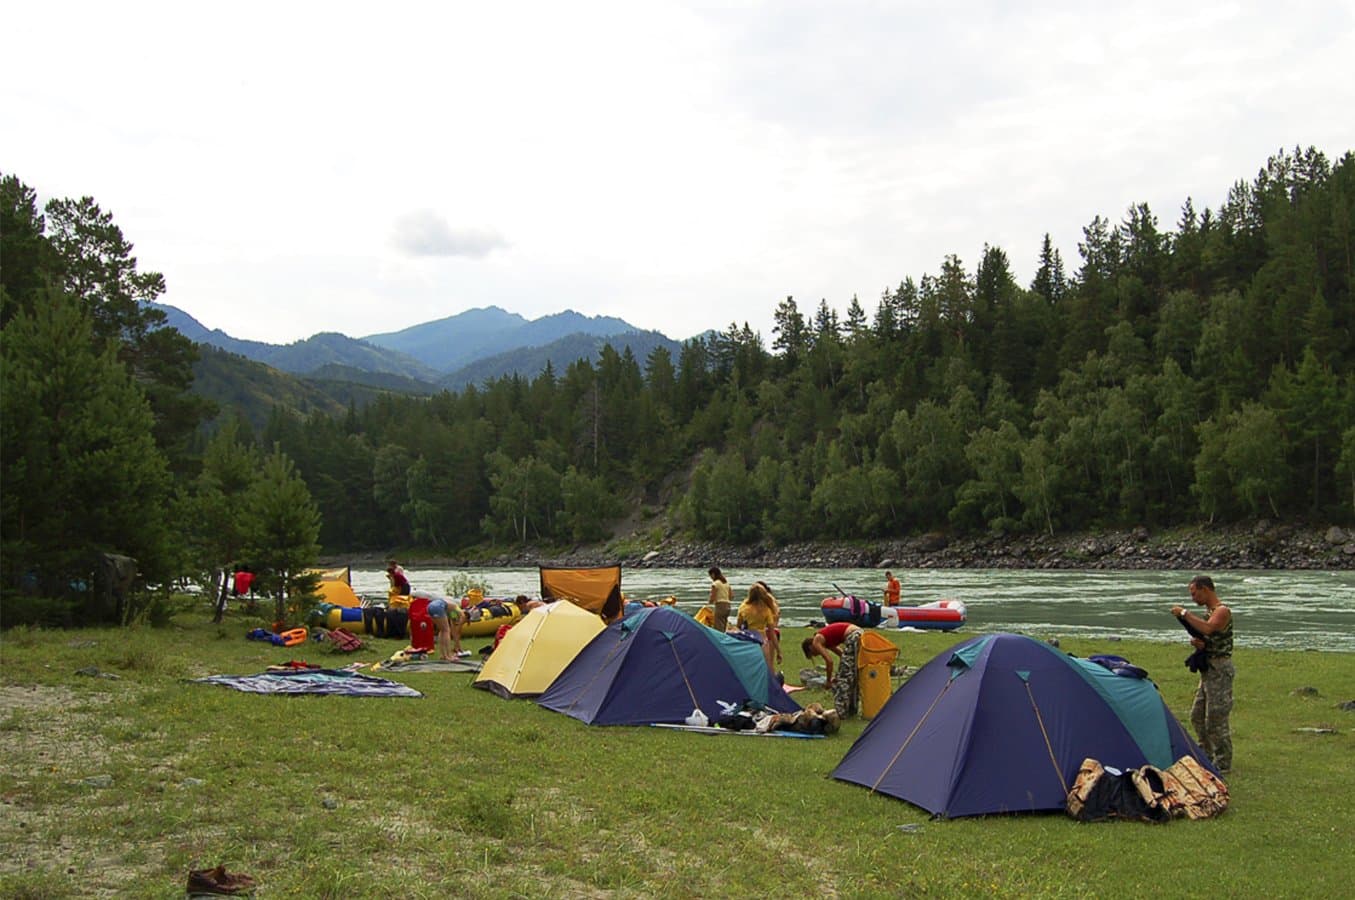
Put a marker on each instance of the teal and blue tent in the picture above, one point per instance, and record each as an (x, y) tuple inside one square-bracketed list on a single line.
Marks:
[(656, 666), (1002, 723)]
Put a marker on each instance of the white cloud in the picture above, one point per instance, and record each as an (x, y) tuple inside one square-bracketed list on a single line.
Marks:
[(292, 168), (425, 233)]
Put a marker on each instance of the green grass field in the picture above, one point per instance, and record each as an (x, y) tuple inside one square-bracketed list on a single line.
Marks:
[(116, 787)]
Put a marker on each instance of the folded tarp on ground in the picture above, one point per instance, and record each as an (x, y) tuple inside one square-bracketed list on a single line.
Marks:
[(430, 665), (313, 681)]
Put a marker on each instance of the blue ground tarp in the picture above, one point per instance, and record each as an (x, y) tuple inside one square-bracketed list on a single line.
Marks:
[(313, 681)]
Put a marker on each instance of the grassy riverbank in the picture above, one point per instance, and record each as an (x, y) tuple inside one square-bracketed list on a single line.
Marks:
[(118, 786)]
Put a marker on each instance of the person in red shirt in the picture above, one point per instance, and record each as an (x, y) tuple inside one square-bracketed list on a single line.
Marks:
[(399, 582), (843, 639)]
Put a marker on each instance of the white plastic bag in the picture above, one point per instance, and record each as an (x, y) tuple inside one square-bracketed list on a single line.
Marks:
[(697, 718)]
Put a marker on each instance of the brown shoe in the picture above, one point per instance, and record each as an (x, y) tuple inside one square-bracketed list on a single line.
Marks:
[(218, 882), (202, 883), (237, 880)]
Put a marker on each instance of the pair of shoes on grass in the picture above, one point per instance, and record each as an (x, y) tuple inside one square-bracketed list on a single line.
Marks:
[(462, 654), (217, 881)]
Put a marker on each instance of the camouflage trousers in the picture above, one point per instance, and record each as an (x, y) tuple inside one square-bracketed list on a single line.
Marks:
[(1209, 714), (844, 685)]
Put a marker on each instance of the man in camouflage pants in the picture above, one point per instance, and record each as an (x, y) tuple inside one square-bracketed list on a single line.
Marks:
[(1214, 696)]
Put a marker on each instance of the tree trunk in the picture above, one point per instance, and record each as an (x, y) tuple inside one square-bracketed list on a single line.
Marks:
[(222, 597)]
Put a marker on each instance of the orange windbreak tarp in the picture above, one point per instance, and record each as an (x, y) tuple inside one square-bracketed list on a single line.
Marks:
[(586, 587)]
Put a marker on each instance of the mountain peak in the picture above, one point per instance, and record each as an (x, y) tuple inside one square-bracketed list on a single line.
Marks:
[(433, 349)]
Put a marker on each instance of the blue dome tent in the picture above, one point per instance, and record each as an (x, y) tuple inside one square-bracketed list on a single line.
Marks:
[(1001, 723), (656, 666)]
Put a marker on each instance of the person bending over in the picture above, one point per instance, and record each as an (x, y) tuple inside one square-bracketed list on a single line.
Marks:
[(844, 640), (447, 621)]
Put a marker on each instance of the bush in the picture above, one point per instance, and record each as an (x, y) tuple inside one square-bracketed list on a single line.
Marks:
[(24, 609), (460, 584)]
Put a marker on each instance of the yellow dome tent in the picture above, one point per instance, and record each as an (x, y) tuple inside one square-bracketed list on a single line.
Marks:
[(537, 649)]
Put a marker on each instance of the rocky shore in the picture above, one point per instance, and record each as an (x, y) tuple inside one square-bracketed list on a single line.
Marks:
[(1259, 545)]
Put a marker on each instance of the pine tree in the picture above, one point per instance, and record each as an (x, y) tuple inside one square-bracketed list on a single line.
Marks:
[(213, 510), (284, 530), (81, 472)]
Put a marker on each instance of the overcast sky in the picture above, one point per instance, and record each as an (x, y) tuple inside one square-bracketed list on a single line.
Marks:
[(293, 168)]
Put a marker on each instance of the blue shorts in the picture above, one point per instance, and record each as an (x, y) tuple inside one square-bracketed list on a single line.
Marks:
[(437, 608)]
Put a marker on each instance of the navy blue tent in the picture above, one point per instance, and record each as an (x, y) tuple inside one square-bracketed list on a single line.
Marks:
[(1001, 723), (657, 665)]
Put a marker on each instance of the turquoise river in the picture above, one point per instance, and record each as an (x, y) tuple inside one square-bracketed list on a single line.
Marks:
[(1293, 609)]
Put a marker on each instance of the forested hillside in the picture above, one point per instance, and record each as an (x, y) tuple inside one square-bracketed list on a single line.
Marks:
[(558, 353), (254, 391), (1170, 375), (1195, 372)]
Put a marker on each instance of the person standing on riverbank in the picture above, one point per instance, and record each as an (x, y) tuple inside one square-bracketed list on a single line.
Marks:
[(399, 582), (761, 613), (1214, 695), (720, 598), (892, 589)]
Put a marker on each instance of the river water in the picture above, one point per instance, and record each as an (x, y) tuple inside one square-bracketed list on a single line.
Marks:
[(1295, 610)]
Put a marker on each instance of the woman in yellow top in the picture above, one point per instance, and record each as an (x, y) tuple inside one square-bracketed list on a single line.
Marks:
[(720, 597), (760, 612)]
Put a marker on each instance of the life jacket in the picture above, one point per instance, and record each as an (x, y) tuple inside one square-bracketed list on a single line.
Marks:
[(345, 641), (1184, 789), (293, 636), (1193, 791), (1099, 793)]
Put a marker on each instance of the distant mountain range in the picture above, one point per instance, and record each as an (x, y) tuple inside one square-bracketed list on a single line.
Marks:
[(457, 341), (450, 353)]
